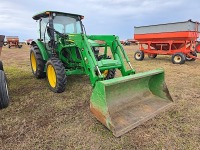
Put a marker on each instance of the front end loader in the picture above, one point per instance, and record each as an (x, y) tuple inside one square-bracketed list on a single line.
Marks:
[(64, 49)]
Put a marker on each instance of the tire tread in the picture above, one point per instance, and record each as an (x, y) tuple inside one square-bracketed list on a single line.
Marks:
[(61, 78)]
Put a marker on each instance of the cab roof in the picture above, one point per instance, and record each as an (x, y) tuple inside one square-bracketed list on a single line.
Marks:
[(46, 14)]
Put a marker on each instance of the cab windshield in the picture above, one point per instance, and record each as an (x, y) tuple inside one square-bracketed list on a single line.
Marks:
[(67, 24)]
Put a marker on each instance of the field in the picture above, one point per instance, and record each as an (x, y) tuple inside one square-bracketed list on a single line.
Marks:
[(40, 119)]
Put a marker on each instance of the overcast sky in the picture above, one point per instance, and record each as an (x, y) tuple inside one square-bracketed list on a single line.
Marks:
[(117, 17)]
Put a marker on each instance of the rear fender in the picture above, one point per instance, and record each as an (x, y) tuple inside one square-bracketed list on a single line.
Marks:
[(42, 48)]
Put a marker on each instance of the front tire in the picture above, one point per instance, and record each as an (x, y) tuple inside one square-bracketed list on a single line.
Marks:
[(56, 75), (178, 58), (4, 97), (37, 62)]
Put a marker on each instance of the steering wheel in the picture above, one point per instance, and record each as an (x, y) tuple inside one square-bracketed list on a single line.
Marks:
[(60, 34)]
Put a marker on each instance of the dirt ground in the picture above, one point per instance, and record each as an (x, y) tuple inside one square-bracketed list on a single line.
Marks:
[(40, 119)]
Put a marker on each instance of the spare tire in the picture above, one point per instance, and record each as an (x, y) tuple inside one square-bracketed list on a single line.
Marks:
[(193, 54), (4, 97), (152, 56)]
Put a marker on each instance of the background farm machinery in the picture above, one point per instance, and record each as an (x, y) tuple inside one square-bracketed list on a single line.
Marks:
[(28, 41), (13, 41), (129, 42), (176, 39)]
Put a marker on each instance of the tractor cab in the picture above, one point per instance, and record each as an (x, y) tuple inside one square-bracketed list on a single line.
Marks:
[(53, 24)]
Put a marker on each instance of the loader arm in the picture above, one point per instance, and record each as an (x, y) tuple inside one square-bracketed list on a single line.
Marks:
[(92, 66), (117, 51)]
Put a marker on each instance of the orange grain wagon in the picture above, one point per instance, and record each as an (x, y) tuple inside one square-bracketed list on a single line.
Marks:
[(177, 39), (13, 41)]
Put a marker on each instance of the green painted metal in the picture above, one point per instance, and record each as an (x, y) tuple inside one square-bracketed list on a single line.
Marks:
[(110, 98), (124, 103), (86, 63), (42, 48)]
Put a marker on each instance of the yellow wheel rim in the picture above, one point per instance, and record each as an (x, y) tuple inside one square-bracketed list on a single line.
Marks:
[(105, 73), (33, 62), (51, 76)]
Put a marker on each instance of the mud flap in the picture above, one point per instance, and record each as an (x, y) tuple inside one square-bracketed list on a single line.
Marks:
[(123, 103)]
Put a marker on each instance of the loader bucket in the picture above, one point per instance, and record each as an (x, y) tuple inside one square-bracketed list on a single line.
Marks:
[(123, 103)]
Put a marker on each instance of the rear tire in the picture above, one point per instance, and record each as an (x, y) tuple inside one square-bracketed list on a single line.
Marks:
[(37, 62), (139, 55), (109, 74), (56, 75), (191, 59), (4, 97), (19, 46), (1, 66), (152, 56), (178, 58)]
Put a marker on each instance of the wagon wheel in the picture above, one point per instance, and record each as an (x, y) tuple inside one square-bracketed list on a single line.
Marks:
[(139, 55), (178, 58), (191, 59), (5, 43), (197, 48), (152, 55)]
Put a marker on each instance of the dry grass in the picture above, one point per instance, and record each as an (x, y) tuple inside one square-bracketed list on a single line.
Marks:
[(40, 119)]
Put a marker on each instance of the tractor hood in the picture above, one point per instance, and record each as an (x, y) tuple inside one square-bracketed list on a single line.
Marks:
[(92, 43), (96, 43)]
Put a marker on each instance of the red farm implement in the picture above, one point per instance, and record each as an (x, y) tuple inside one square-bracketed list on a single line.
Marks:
[(176, 39), (13, 41)]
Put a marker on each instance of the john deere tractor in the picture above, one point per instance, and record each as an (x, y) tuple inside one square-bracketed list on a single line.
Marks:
[(64, 49)]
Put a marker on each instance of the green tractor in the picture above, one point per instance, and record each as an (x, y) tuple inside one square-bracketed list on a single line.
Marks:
[(64, 49)]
